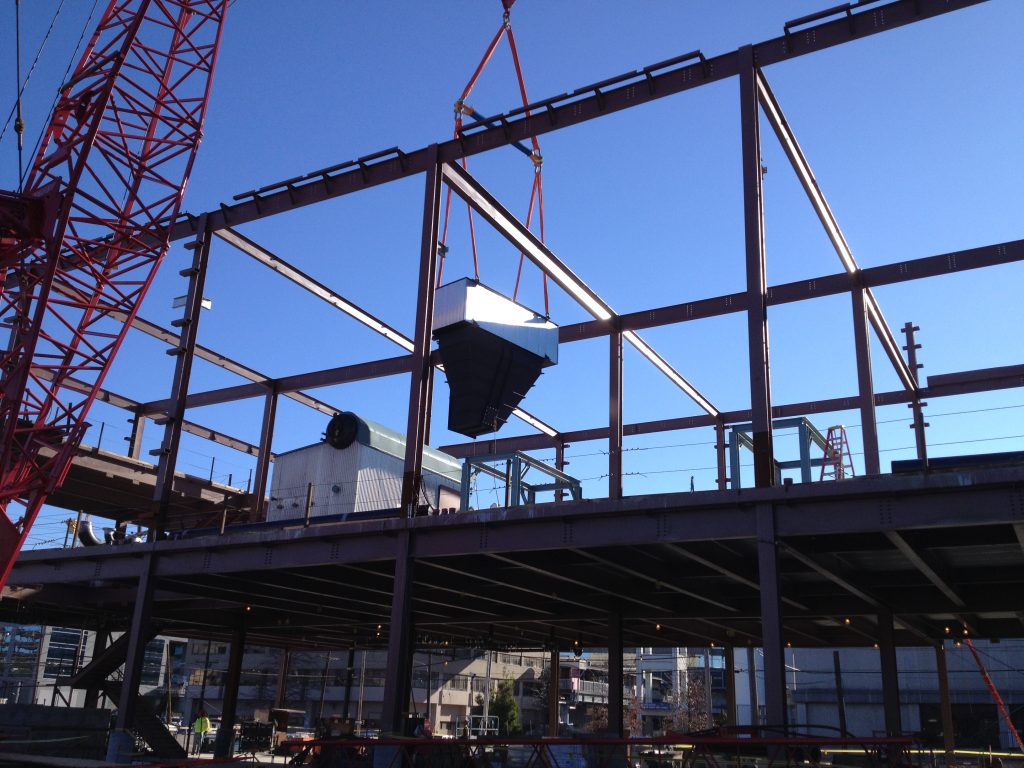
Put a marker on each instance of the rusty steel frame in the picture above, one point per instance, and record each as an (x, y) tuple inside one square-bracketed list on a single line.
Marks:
[(776, 514)]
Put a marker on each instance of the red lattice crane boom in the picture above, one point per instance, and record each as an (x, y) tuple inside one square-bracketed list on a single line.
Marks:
[(80, 246)]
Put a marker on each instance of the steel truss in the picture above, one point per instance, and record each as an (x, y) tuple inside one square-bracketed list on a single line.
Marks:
[(115, 158)]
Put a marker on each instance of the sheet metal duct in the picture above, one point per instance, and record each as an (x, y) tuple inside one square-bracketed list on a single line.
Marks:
[(493, 351)]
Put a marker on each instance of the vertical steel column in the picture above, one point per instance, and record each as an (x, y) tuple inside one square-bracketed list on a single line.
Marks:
[(615, 414), (282, 680), (840, 696), (259, 490), (121, 743), (397, 680), (916, 405), (467, 478), (890, 676), (419, 385), (948, 731), (805, 452), (185, 353), (771, 619), (730, 686), (757, 291), (554, 683), (560, 466), (138, 422), (92, 693), (723, 472), (615, 719), (734, 460), (350, 668), (755, 706), (866, 387), (224, 745)]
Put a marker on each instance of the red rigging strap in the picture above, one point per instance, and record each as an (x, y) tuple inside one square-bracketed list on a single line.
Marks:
[(536, 189)]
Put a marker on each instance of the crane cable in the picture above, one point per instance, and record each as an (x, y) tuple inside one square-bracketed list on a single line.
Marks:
[(19, 123), (536, 189)]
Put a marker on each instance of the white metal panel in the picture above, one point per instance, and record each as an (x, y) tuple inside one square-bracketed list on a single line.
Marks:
[(468, 301), (332, 472), (355, 479)]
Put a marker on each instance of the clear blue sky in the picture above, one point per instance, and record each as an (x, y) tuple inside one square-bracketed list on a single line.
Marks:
[(914, 136)]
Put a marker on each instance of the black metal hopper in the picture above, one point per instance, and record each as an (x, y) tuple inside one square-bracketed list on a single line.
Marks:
[(493, 351)]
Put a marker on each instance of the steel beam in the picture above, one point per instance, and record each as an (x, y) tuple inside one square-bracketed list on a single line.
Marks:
[(772, 641), (828, 220), (419, 386), (890, 676), (220, 360), (916, 406), (580, 105), (174, 340), (318, 289), (757, 306), (185, 353), (945, 707), (930, 501), (615, 398), (350, 308), (926, 570), (259, 490), (375, 369), (225, 742), (507, 225), (865, 383), (967, 382), (825, 285), (398, 677), (720, 446), (615, 718), (120, 745)]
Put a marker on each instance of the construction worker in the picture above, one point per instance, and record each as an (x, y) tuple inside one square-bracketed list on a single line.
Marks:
[(200, 728)]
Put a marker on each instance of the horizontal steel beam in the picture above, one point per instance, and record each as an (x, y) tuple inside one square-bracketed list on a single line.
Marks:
[(509, 227), (801, 290), (947, 385), (136, 408), (858, 505), (613, 95), (318, 289), (336, 300), (787, 139), (374, 369)]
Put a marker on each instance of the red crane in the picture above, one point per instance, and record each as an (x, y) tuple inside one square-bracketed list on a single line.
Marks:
[(80, 245)]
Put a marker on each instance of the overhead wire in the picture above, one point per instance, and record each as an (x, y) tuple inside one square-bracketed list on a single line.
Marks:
[(22, 84), (67, 71)]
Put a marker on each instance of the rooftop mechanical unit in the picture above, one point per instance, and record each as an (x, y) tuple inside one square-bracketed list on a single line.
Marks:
[(357, 470), (493, 350)]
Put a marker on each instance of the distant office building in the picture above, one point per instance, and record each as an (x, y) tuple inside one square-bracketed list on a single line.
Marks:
[(34, 659), (447, 686)]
